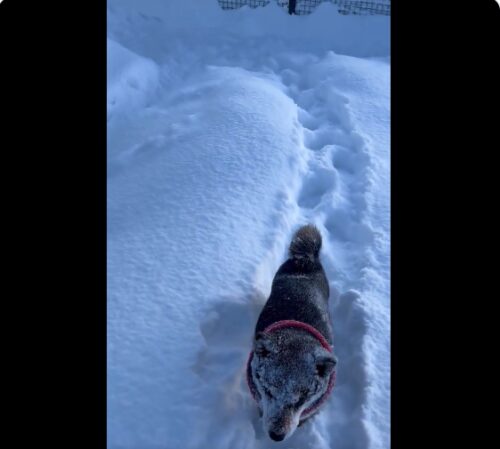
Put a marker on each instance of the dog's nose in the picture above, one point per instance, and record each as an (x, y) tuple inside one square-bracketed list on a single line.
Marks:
[(276, 436)]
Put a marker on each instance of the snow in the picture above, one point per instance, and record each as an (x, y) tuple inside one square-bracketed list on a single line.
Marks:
[(227, 130), (131, 79)]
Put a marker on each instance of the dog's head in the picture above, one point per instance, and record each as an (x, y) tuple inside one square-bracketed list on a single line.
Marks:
[(291, 371)]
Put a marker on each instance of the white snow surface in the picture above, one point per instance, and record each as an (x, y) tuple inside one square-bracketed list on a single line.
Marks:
[(227, 130)]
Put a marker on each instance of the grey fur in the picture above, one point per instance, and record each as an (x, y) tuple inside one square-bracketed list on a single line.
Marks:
[(290, 368)]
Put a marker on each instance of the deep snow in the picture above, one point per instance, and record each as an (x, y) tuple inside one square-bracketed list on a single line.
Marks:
[(226, 131)]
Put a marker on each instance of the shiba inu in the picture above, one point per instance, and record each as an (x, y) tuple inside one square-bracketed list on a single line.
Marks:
[(291, 369)]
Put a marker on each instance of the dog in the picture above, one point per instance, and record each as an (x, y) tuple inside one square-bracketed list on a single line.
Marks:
[(291, 369)]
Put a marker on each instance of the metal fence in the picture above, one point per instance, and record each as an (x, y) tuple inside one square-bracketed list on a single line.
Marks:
[(233, 4), (301, 7)]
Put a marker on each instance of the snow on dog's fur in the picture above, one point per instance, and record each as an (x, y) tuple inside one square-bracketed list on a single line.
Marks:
[(290, 367)]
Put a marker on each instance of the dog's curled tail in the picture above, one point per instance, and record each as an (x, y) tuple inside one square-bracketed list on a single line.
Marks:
[(306, 243)]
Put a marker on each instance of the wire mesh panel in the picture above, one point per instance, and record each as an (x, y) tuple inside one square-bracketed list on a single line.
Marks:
[(302, 7), (233, 4), (361, 7)]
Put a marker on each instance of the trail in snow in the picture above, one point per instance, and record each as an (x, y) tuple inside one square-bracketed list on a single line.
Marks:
[(257, 142), (333, 197)]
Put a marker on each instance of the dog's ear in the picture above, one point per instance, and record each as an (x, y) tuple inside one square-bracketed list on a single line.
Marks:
[(263, 345), (325, 365)]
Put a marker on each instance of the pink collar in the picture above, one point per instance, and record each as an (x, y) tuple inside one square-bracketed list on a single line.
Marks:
[(313, 331)]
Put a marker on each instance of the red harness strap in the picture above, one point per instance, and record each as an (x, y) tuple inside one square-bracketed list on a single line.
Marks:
[(297, 324)]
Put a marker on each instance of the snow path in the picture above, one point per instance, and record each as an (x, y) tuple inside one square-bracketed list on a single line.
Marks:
[(338, 179), (325, 117)]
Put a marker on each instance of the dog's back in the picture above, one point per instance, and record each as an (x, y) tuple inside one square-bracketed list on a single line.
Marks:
[(300, 288)]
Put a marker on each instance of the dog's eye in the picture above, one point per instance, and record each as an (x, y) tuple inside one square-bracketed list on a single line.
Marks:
[(300, 402), (262, 352), (268, 393), (302, 398)]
